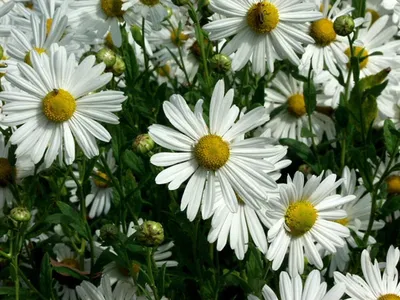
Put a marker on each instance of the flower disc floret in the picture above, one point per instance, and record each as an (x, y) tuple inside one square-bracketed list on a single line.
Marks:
[(300, 217), (296, 105), (150, 2), (70, 262), (211, 152), (178, 38), (360, 52), (6, 172), (27, 58), (393, 184), (322, 32), (59, 105), (101, 180), (112, 8), (49, 22), (389, 297), (344, 221), (263, 17)]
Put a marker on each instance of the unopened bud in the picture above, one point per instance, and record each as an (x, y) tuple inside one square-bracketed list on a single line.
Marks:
[(143, 143), (136, 32), (20, 214), (305, 169), (151, 233), (109, 232), (106, 56), (221, 63), (344, 25), (119, 66)]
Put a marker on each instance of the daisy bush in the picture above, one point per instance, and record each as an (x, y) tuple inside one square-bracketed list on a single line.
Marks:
[(199, 149)]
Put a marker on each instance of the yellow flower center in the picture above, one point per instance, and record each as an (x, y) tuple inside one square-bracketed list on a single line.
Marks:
[(322, 32), (101, 180), (389, 297), (358, 52), (7, 172), (393, 184), (211, 152), (374, 15), (164, 71), (112, 8), (70, 262), (29, 5), (178, 39), (343, 221), (49, 22), (59, 105), (296, 105), (150, 2), (263, 17), (300, 217), (27, 58)]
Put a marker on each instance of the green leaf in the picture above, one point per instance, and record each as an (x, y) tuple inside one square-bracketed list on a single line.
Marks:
[(77, 222), (305, 132), (391, 205), (342, 116), (300, 149), (134, 162), (310, 96), (70, 272), (161, 279), (45, 276), (391, 140)]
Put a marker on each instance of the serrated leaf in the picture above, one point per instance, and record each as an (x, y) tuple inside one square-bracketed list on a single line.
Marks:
[(300, 149), (45, 276), (77, 222), (391, 205), (134, 162)]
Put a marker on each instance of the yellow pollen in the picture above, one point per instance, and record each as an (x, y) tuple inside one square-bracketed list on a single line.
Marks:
[(322, 32), (27, 58), (178, 39), (59, 105), (70, 262), (374, 15), (49, 22), (164, 71), (211, 152), (296, 105), (101, 180), (389, 297), (358, 52), (263, 17), (393, 184), (300, 217), (150, 2), (7, 172), (344, 221), (321, 7), (112, 8)]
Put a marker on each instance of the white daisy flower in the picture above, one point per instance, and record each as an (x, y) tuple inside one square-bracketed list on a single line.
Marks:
[(66, 286), (329, 47), (302, 216), (357, 220), (209, 153), (314, 289), (264, 30), (246, 220), (374, 286), (288, 123), (88, 291), (5, 8), (372, 39), (54, 106)]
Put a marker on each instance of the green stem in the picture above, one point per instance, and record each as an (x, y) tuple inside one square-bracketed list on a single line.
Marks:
[(14, 263), (31, 286), (150, 266), (200, 40)]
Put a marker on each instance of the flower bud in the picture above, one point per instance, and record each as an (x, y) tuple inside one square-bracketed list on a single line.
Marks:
[(107, 56), (305, 169), (119, 67), (20, 214), (136, 32), (344, 25), (109, 232), (143, 143), (151, 233), (221, 63)]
